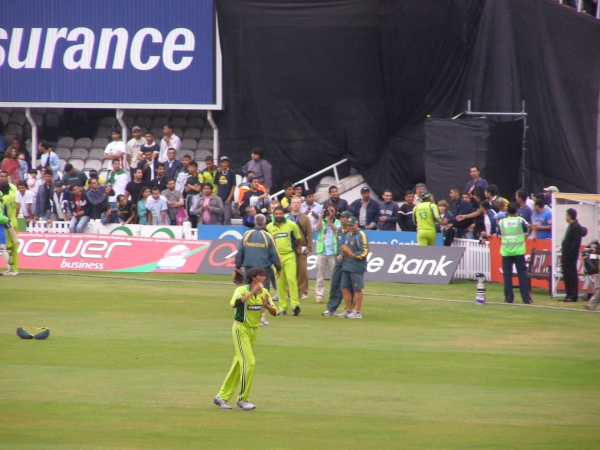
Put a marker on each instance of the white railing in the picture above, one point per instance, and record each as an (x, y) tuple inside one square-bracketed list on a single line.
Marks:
[(476, 259), (316, 174)]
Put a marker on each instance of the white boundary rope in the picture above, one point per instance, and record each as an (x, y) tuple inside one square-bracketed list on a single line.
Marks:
[(372, 294)]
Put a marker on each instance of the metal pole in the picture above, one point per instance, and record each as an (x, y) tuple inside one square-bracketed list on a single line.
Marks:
[(523, 158), (120, 113), (34, 136), (215, 135)]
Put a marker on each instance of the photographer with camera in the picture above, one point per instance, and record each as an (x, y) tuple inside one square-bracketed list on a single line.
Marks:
[(590, 258), (326, 228)]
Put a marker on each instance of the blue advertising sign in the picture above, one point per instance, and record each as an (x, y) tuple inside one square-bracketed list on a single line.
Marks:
[(398, 237), (211, 232), (113, 53)]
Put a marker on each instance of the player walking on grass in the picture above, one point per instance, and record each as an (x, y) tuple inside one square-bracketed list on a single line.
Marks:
[(353, 256), (287, 239), (248, 301)]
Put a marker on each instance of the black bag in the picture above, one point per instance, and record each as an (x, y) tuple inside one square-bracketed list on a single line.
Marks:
[(590, 266)]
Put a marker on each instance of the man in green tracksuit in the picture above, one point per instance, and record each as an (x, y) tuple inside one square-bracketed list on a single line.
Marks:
[(335, 292), (9, 201), (287, 238), (248, 301), (426, 214), (353, 269), (257, 249)]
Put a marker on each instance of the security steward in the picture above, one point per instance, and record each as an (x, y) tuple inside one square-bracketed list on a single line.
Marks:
[(258, 249)]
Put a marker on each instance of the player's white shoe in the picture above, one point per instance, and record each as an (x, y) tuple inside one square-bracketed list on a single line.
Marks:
[(303, 297), (344, 315), (246, 406), (295, 310), (354, 315), (282, 312), (275, 298), (221, 403)]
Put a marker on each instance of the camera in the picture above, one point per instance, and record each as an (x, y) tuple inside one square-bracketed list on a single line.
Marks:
[(326, 213)]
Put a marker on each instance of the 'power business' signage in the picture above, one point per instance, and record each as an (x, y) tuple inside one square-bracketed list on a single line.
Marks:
[(118, 53)]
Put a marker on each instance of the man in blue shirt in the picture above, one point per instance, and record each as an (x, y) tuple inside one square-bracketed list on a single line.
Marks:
[(476, 181), (541, 220), (524, 211), (49, 159)]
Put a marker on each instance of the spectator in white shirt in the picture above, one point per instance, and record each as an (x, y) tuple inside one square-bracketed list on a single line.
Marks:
[(157, 205), (116, 150), (310, 208), (24, 201), (168, 141), (134, 146), (183, 175), (117, 178)]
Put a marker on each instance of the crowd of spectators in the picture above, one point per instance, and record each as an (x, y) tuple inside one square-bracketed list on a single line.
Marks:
[(147, 183)]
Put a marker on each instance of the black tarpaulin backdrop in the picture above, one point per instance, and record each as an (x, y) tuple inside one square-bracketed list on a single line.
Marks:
[(452, 146), (313, 82)]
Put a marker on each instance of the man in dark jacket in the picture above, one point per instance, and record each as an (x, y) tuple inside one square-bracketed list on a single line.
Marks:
[(172, 165), (340, 204), (45, 207), (257, 249), (366, 210), (570, 253), (388, 213), (96, 196)]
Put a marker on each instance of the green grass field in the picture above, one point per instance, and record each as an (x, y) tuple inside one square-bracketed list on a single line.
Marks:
[(134, 364)]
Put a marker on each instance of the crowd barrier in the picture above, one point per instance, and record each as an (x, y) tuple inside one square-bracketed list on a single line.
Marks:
[(476, 257)]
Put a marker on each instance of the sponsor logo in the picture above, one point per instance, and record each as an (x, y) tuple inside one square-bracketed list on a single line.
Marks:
[(148, 48), (254, 307), (166, 231), (234, 235), (223, 255), (419, 266), (95, 249), (122, 229)]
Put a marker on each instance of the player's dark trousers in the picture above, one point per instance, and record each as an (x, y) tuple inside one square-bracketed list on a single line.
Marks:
[(519, 262), (335, 292), (569, 270)]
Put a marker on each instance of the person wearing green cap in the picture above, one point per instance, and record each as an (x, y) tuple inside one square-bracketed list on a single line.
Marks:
[(335, 291), (426, 214), (353, 269)]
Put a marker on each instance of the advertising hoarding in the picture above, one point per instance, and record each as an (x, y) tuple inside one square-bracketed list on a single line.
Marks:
[(113, 53)]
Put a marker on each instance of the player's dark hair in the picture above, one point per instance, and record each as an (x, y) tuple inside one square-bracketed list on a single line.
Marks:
[(278, 208), (253, 273), (492, 189), (512, 208), (522, 194)]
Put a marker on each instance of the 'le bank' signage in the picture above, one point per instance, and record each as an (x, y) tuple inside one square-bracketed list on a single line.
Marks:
[(119, 53)]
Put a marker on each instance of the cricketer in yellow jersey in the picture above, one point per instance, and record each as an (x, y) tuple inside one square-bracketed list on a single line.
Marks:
[(9, 202), (426, 214), (248, 301), (287, 238)]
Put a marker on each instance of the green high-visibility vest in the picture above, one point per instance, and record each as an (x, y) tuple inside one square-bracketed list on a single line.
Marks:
[(321, 238), (512, 236)]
